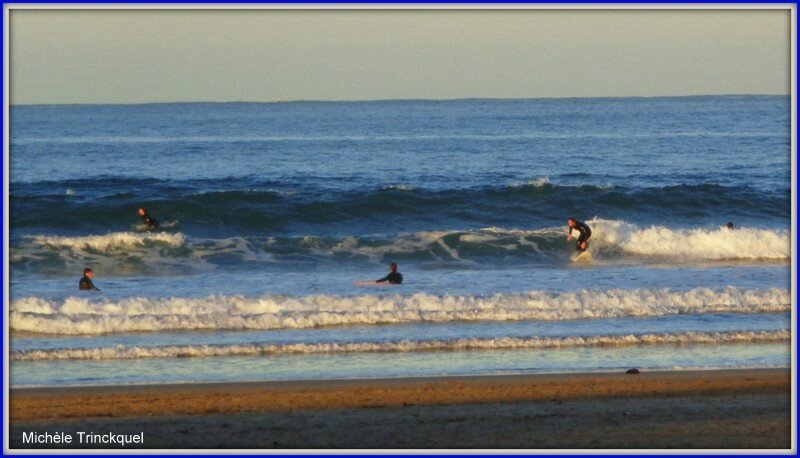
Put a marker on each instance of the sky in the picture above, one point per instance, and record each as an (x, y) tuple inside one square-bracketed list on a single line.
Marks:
[(130, 56)]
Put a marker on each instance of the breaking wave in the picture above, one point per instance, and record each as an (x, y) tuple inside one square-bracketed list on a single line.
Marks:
[(611, 242), (75, 316), (465, 344), (117, 241), (619, 237)]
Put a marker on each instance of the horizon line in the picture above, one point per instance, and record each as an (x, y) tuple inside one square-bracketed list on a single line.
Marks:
[(456, 99)]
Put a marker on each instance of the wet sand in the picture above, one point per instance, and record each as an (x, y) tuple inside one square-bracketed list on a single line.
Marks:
[(693, 409)]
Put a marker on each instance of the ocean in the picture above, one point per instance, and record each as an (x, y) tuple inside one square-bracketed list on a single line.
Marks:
[(271, 212)]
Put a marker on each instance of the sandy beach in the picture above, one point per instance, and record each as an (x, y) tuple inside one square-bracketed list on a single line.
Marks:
[(692, 409)]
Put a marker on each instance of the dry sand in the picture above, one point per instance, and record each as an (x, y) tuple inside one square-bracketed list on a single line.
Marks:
[(698, 409)]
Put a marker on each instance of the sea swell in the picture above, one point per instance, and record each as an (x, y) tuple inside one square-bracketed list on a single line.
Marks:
[(248, 207)]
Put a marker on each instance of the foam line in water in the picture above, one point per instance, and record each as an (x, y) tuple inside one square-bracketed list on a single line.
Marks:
[(499, 343), (79, 315), (615, 237), (110, 242)]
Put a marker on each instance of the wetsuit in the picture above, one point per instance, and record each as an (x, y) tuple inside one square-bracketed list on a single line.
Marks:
[(395, 278), (585, 232), (150, 222), (85, 284)]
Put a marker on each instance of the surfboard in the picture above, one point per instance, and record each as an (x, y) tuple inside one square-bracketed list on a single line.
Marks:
[(584, 257), (165, 225), (372, 283)]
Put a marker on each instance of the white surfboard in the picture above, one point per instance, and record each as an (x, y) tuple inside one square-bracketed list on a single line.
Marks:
[(372, 283), (582, 258), (162, 226)]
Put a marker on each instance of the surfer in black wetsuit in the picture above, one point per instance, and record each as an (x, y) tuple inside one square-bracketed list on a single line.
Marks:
[(394, 277), (583, 229), (148, 221), (85, 283)]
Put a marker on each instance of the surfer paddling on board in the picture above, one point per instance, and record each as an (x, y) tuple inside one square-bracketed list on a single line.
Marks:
[(85, 283), (583, 229), (393, 278), (148, 221)]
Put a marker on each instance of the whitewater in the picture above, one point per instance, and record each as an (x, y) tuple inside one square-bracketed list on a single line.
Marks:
[(77, 315)]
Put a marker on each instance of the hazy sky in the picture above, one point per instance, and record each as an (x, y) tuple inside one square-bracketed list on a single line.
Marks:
[(163, 56)]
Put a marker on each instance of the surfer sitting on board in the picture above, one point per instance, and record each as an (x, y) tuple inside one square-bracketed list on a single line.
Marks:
[(148, 221), (585, 231), (85, 284)]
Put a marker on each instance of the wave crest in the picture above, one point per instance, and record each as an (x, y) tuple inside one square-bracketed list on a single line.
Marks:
[(111, 242), (82, 316), (611, 242), (610, 237), (246, 205), (466, 344)]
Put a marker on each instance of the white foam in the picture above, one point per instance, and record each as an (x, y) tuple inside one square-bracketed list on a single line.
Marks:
[(611, 237), (398, 187), (110, 242), (82, 316), (407, 243), (466, 344), (535, 182), (124, 253)]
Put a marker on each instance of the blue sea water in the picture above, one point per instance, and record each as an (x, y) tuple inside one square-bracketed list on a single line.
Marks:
[(271, 212)]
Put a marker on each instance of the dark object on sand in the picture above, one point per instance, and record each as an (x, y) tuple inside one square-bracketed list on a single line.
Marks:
[(632, 371)]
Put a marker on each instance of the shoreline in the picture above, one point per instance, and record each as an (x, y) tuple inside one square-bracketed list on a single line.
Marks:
[(198, 398), (160, 385), (738, 408)]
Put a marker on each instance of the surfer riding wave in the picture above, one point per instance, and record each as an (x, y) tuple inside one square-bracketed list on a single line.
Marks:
[(584, 230)]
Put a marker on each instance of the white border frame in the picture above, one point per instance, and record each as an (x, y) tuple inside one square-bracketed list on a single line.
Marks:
[(791, 7)]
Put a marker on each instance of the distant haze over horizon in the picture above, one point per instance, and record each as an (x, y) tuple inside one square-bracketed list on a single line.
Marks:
[(188, 102), (172, 56)]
